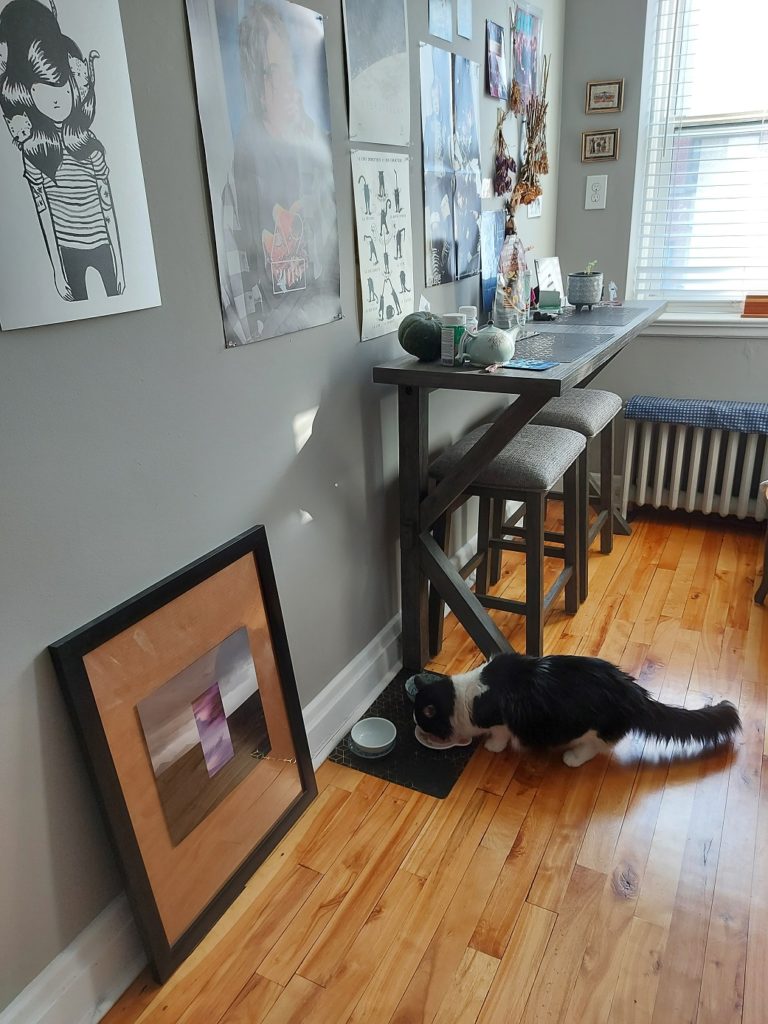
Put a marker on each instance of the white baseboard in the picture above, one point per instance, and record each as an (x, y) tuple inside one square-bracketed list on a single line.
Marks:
[(90, 975), (338, 706)]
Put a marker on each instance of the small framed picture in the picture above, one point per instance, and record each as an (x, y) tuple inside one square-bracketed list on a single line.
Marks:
[(186, 706), (600, 145), (605, 97)]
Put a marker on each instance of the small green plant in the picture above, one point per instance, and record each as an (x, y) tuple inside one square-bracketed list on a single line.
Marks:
[(591, 267)]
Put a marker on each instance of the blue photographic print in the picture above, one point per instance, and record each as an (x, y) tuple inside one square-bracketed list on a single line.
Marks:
[(491, 241)]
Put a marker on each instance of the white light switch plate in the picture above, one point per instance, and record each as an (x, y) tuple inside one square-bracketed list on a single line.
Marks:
[(597, 186)]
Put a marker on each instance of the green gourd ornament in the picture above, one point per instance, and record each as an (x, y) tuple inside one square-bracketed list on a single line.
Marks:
[(419, 335)]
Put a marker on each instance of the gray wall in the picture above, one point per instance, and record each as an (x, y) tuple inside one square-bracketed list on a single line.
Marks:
[(605, 40), (690, 367), (133, 444)]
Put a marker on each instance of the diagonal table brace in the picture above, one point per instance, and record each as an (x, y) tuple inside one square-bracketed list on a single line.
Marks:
[(462, 602)]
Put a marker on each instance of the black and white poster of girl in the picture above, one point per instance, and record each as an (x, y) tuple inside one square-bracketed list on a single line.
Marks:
[(264, 104), (75, 238)]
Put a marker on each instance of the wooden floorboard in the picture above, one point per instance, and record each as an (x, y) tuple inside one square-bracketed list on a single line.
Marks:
[(632, 890)]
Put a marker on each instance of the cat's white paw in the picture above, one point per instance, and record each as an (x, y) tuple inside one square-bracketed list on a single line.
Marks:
[(575, 758), (496, 744)]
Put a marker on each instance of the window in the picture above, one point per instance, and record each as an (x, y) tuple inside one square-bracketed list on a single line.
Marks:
[(701, 234)]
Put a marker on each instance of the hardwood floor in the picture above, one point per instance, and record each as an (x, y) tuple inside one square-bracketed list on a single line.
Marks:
[(632, 890)]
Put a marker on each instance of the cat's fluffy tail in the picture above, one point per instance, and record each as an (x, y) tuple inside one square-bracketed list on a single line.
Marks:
[(710, 725)]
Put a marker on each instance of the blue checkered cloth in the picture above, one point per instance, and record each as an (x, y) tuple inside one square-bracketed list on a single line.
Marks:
[(746, 417)]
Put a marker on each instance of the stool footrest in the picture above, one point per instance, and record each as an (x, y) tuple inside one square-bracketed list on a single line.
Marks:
[(519, 531), (506, 604), (597, 525), (469, 567), (513, 545)]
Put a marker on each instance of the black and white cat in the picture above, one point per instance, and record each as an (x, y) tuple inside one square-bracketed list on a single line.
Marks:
[(583, 704)]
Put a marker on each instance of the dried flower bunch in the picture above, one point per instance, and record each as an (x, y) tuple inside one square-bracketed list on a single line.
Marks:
[(506, 168), (515, 98), (536, 160)]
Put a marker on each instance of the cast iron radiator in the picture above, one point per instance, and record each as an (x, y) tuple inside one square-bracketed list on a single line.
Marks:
[(699, 455)]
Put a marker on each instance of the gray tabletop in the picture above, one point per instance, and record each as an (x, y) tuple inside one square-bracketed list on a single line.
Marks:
[(581, 344)]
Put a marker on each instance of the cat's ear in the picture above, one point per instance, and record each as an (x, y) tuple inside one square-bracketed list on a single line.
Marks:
[(429, 711)]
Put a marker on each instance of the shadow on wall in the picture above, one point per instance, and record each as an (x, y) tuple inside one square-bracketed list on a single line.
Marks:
[(335, 507)]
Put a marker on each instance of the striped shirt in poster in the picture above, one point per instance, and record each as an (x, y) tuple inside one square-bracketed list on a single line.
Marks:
[(73, 199)]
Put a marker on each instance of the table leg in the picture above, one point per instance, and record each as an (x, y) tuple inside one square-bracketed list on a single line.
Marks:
[(413, 420), (435, 563)]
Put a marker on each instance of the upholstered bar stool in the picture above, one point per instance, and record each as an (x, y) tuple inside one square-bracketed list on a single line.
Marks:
[(591, 413), (525, 471)]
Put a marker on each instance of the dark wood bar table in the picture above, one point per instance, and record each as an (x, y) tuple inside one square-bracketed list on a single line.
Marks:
[(582, 344)]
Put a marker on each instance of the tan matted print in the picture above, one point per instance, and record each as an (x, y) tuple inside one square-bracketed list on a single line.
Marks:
[(187, 870)]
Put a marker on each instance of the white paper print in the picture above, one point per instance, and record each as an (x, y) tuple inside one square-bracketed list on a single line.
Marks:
[(491, 241), (75, 238), (262, 90), (441, 19), (464, 18), (437, 141), (383, 213), (379, 71)]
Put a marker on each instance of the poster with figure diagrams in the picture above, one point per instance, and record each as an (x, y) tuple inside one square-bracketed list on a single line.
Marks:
[(75, 237), (383, 214)]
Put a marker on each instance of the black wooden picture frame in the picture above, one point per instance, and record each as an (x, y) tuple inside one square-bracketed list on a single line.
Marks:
[(70, 657)]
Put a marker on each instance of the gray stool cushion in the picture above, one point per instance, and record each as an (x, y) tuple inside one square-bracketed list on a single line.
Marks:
[(582, 410), (534, 460)]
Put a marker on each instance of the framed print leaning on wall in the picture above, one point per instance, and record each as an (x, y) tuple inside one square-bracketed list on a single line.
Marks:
[(186, 707)]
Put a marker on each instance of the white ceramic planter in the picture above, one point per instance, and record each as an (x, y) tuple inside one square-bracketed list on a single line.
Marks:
[(584, 289)]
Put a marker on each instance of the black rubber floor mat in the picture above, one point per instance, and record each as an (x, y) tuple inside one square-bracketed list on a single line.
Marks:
[(410, 764)]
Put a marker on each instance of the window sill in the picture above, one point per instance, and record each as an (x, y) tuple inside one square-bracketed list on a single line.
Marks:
[(708, 325)]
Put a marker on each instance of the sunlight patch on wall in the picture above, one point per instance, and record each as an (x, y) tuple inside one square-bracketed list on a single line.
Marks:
[(302, 427)]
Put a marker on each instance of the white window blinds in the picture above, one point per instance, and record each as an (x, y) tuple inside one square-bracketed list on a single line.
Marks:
[(702, 231)]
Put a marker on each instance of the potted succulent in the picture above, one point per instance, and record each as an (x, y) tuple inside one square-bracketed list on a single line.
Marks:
[(585, 288)]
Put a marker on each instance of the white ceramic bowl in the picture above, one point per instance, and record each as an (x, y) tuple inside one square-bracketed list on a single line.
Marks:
[(435, 744), (374, 735)]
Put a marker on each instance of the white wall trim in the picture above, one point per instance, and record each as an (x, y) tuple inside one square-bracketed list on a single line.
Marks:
[(707, 326), (339, 704), (88, 977), (337, 707)]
